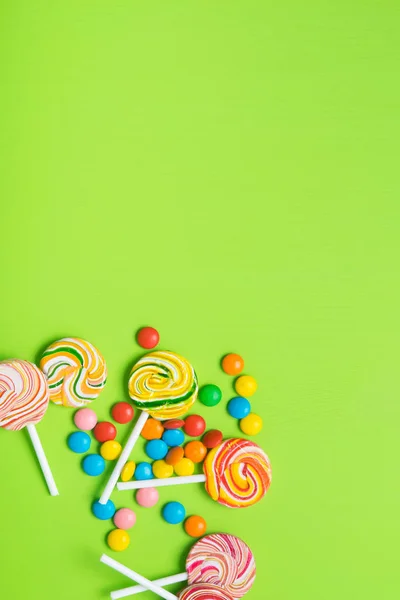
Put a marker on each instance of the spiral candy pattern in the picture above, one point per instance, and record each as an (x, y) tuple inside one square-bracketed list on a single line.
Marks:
[(204, 591), (163, 384), (75, 370), (24, 394), (238, 473), (223, 560)]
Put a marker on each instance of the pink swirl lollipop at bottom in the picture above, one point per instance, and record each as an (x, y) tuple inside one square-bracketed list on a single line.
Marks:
[(204, 591)]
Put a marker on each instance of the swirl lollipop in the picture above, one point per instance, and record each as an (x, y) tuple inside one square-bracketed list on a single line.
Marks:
[(237, 473), (76, 372), (204, 591), (162, 384), (24, 398)]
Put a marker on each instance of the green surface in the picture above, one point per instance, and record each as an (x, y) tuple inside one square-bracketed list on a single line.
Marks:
[(226, 172)]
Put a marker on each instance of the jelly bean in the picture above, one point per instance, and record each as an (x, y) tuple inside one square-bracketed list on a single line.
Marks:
[(173, 424), (105, 431), (128, 470), (194, 426), (122, 412), (143, 471), (246, 386), (79, 442), (174, 512), (147, 497), (110, 450), (184, 467), (85, 419), (173, 437), (232, 364), (124, 518), (148, 337), (195, 526), (212, 438), (152, 430), (162, 470), (196, 451), (251, 425), (210, 394), (93, 465), (156, 449), (103, 511), (239, 407), (118, 540), (174, 455)]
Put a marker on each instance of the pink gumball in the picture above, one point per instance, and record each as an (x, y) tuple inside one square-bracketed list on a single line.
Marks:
[(147, 497), (85, 419), (124, 518)]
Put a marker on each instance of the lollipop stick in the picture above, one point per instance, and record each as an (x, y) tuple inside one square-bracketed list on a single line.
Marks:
[(136, 431), (136, 589), (149, 585), (48, 475), (149, 483)]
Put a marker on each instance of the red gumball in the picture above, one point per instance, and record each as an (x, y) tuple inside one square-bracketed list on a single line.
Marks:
[(194, 426), (122, 412), (148, 337), (105, 431)]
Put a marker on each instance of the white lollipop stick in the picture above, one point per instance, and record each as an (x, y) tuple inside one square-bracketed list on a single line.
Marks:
[(136, 589), (148, 483), (137, 430), (44, 463), (149, 585)]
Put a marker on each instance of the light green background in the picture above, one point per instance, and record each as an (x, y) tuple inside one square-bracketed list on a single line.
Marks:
[(228, 172)]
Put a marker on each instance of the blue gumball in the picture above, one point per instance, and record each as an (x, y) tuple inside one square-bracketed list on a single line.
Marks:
[(103, 511), (174, 512), (156, 449), (143, 471), (173, 437), (239, 407), (79, 442), (93, 465)]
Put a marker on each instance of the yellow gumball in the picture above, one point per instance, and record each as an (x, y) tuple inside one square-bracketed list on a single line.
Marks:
[(161, 469), (128, 470), (110, 450), (118, 540), (246, 386), (251, 425), (184, 467)]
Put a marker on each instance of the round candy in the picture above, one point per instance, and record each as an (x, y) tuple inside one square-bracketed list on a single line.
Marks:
[(238, 473), (195, 526), (196, 451), (174, 455), (105, 431), (24, 394), (122, 412), (173, 437), (173, 424), (103, 511), (147, 497), (174, 512), (232, 364), (246, 386), (148, 337), (210, 394), (238, 407), (251, 425), (124, 518), (75, 370), (204, 591), (164, 384), (128, 470), (194, 426), (143, 471), (152, 430), (110, 450), (85, 419), (184, 467), (162, 470), (156, 449), (93, 465), (118, 540), (79, 442), (212, 438), (223, 560)]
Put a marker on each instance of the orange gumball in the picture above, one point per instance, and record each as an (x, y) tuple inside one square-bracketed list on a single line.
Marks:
[(195, 526), (152, 430), (232, 364), (196, 451)]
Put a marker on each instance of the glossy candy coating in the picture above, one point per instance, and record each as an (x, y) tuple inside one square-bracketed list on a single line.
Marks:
[(195, 526), (156, 449), (194, 426), (173, 512), (252, 424), (110, 450), (152, 430), (174, 455), (162, 470), (143, 471), (210, 394), (148, 337), (245, 386), (124, 518), (238, 407), (105, 431), (118, 540), (232, 364), (147, 497), (128, 470), (93, 465), (85, 419), (195, 451), (184, 467), (173, 437), (79, 442), (122, 412), (103, 511), (173, 424), (212, 438)]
